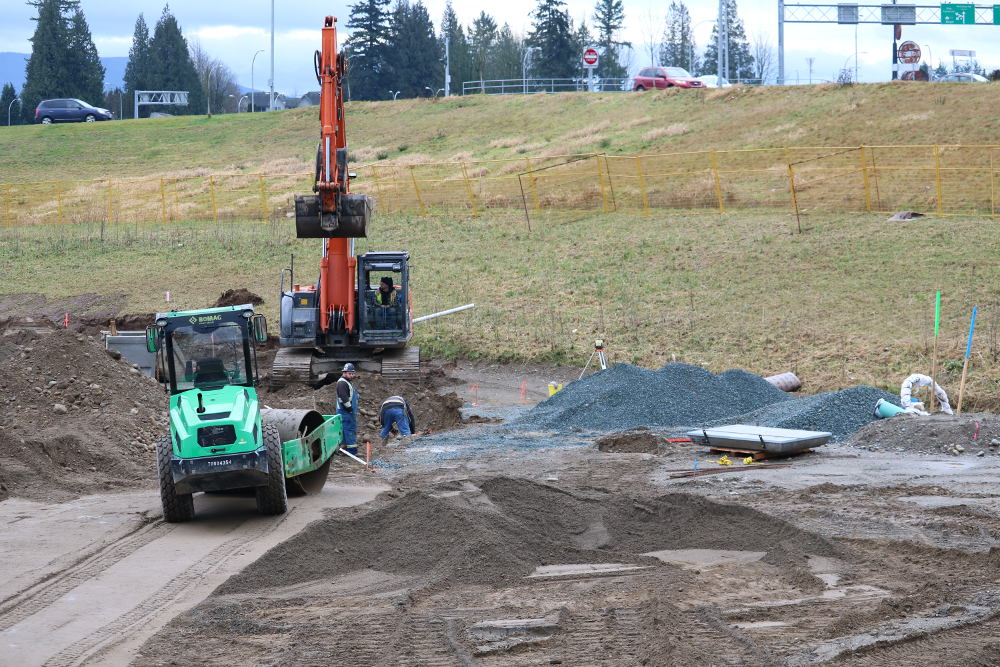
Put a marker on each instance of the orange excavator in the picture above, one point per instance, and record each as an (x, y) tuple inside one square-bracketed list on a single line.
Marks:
[(358, 310)]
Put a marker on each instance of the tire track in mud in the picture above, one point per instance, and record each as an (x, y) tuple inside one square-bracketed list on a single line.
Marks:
[(42, 594), (123, 626)]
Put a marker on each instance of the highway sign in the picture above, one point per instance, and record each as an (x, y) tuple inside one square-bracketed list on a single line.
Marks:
[(590, 57), (909, 52), (964, 14)]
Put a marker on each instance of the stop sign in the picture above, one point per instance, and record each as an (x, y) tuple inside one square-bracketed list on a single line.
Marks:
[(590, 57)]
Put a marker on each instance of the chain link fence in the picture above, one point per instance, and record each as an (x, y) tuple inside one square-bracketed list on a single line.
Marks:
[(938, 180)]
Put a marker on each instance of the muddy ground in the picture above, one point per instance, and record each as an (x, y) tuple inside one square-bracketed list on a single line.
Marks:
[(476, 544)]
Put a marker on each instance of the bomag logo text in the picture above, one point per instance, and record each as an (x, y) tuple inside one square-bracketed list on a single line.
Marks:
[(201, 319)]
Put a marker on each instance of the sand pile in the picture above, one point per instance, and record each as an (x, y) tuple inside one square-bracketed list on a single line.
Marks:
[(636, 441), (73, 420), (626, 396), (500, 529)]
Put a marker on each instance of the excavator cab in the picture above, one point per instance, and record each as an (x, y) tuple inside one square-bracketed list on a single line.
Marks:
[(384, 317)]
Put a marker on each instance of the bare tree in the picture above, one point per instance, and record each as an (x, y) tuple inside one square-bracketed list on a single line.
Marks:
[(217, 80), (763, 57), (651, 34)]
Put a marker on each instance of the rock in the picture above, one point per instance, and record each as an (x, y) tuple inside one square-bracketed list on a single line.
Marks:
[(982, 452), (135, 411), (60, 409), (995, 443), (114, 354)]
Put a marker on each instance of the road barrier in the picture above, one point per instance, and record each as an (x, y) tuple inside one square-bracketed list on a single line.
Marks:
[(935, 180)]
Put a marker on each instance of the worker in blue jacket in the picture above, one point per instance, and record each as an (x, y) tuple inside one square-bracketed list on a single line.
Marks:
[(347, 408)]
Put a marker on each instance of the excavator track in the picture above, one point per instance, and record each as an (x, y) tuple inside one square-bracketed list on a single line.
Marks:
[(401, 364), (291, 366)]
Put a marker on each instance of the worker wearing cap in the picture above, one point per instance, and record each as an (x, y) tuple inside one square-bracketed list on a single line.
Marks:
[(396, 411), (385, 298), (347, 408)]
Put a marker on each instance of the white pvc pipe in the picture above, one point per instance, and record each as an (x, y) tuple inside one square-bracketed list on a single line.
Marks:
[(444, 312)]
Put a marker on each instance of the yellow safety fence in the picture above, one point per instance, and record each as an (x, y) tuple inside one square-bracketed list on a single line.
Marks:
[(941, 180)]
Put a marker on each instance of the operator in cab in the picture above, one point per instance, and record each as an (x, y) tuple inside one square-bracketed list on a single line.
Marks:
[(385, 299), (347, 408)]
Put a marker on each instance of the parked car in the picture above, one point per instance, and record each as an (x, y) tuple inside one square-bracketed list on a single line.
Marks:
[(965, 77), (650, 78), (713, 81), (69, 110)]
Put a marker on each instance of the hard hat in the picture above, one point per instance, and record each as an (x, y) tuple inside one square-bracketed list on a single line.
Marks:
[(348, 368)]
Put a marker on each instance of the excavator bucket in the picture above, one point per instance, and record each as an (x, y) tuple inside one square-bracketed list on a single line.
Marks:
[(349, 222)]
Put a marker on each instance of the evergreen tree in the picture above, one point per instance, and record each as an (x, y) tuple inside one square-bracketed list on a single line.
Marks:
[(678, 47), (86, 64), (552, 35), (506, 60), (7, 98), (137, 69), (170, 66), (462, 68), (413, 57), (482, 42), (582, 38), (609, 17), (47, 72), (740, 61), (367, 71), (940, 70)]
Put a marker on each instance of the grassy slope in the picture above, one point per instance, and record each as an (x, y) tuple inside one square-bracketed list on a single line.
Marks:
[(492, 127), (846, 302)]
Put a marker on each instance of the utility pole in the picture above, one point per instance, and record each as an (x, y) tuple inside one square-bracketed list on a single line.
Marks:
[(720, 40), (810, 61), (447, 67), (781, 42), (897, 31), (270, 104)]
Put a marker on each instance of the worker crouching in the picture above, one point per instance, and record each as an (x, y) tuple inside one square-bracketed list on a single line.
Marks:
[(395, 411)]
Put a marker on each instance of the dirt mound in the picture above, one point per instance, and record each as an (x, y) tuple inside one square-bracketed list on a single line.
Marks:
[(237, 297), (433, 412), (636, 441), (501, 529), (74, 420), (966, 434), (626, 396)]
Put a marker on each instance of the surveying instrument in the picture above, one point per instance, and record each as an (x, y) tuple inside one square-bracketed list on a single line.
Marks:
[(601, 357)]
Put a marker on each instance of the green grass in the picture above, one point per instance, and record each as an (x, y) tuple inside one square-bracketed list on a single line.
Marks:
[(848, 302), (492, 127)]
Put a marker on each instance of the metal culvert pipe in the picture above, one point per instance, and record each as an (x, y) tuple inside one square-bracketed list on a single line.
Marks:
[(785, 381)]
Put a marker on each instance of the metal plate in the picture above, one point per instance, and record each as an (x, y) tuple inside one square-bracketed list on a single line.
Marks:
[(760, 438)]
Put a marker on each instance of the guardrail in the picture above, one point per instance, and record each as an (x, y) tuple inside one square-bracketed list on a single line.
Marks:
[(529, 86)]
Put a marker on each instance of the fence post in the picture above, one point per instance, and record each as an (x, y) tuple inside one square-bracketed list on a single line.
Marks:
[(718, 185), (163, 202), (642, 185), (416, 190), (59, 202), (211, 188), (111, 203), (864, 176), (468, 189), (263, 198), (534, 185), (600, 179), (993, 182), (937, 178), (795, 199)]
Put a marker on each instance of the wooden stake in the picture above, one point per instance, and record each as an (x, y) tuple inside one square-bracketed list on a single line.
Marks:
[(961, 386), (965, 364)]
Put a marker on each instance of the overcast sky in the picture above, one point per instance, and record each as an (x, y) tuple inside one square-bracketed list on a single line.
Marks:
[(233, 32)]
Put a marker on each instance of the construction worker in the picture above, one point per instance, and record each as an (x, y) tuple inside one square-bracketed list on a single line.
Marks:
[(396, 411), (347, 408), (385, 298)]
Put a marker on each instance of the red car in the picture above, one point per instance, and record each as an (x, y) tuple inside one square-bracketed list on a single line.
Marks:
[(651, 78)]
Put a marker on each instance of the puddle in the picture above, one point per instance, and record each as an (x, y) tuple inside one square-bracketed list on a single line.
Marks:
[(932, 502), (946, 466), (753, 625), (706, 557), (826, 569), (583, 569), (860, 592)]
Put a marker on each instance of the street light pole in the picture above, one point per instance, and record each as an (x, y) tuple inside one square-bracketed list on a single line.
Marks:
[(208, 97), (16, 99), (524, 67), (251, 77)]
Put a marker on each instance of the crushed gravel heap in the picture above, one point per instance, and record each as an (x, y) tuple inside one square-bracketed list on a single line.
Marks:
[(73, 420), (507, 527), (626, 396), (966, 434), (838, 412)]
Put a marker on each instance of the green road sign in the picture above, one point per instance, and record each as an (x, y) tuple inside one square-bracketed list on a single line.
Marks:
[(996, 14), (961, 14)]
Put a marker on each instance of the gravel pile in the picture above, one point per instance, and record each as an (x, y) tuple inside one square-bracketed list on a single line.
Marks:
[(975, 434), (626, 396), (841, 413)]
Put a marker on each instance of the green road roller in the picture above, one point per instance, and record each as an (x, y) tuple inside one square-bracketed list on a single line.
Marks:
[(220, 438)]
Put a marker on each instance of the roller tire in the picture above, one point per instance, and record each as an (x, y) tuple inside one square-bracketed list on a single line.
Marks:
[(272, 498), (177, 508)]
